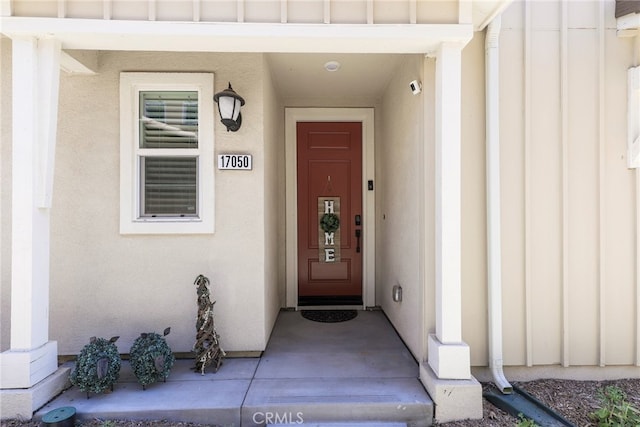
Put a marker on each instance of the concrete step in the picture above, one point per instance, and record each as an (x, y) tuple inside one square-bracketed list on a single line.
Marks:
[(187, 396), (231, 397), (316, 401)]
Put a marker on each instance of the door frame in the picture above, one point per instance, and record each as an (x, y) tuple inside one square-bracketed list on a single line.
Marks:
[(366, 117)]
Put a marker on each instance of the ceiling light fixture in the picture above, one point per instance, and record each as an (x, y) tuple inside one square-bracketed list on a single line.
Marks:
[(332, 66)]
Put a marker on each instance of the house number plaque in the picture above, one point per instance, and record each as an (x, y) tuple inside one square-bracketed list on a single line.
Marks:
[(235, 162)]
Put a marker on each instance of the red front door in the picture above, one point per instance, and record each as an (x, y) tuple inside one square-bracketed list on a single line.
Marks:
[(330, 243)]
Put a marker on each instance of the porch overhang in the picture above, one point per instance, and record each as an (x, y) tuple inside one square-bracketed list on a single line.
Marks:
[(441, 41), (95, 34)]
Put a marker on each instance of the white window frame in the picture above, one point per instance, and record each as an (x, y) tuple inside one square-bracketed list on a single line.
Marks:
[(131, 222)]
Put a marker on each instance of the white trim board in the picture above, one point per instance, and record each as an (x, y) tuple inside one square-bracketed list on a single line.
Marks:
[(366, 116), (100, 34)]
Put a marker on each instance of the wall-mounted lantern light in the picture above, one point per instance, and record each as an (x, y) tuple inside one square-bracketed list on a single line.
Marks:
[(229, 103)]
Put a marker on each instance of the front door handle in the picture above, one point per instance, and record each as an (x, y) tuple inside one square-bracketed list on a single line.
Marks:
[(358, 234)]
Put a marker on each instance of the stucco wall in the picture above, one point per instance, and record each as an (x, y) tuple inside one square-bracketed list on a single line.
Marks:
[(274, 197), (106, 284), (401, 194)]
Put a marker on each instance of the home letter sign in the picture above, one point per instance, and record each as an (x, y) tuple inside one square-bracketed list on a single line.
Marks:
[(329, 229)]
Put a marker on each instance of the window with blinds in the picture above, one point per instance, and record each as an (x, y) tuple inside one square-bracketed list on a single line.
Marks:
[(168, 148), (169, 186), (168, 119)]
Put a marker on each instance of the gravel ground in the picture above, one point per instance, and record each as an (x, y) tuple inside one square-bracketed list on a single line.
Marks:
[(574, 400)]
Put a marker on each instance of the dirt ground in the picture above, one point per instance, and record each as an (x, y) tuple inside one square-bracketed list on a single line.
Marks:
[(574, 400)]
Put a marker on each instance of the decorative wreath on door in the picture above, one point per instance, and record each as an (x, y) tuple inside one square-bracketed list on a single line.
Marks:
[(329, 222)]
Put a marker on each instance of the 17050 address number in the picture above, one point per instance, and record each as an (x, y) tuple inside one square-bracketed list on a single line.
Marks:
[(235, 161)]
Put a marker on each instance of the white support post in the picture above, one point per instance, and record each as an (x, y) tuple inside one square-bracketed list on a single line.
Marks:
[(32, 357), (448, 355), (48, 74), (447, 373)]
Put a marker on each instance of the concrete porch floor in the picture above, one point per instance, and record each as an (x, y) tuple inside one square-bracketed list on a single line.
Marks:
[(357, 371)]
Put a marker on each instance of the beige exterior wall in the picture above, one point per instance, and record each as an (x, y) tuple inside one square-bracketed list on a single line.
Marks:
[(474, 219), (274, 200), (402, 191), (568, 210), (106, 284)]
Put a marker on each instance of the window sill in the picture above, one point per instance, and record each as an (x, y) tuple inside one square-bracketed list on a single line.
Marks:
[(167, 226)]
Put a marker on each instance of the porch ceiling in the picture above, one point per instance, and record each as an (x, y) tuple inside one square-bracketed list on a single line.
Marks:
[(368, 53), (303, 76)]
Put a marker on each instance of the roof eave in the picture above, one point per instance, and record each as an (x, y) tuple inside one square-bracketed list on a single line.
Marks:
[(485, 11), (91, 34), (628, 25)]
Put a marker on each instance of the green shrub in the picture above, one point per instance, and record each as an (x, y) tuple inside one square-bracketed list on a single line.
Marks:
[(525, 422), (615, 410)]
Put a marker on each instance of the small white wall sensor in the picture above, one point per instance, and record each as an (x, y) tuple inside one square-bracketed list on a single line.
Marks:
[(416, 87)]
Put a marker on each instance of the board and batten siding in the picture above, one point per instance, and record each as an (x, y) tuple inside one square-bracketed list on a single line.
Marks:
[(570, 281), (265, 11)]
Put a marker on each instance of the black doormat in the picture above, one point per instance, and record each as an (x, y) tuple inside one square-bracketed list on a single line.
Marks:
[(329, 316), (330, 301)]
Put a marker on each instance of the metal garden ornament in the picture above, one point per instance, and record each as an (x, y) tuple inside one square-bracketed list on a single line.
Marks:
[(207, 346), (151, 358), (98, 366)]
